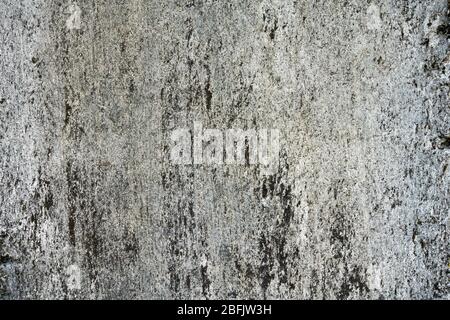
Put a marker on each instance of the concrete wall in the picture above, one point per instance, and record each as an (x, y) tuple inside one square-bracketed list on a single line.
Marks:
[(92, 207)]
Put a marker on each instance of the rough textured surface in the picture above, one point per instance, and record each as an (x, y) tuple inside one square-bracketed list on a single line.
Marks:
[(91, 206)]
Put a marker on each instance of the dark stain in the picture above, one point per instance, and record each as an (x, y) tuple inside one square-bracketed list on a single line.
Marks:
[(67, 111), (247, 274), (247, 152), (43, 198), (48, 201), (35, 224), (425, 42), (189, 36), (208, 93), (164, 180), (91, 237), (188, 282), (43, 186), (264, 191), (431, 65), (354, 281), (270, 24), (179, 222), (205, 280), (71, 225), (189, 3), (314, 283), (123, 46), (131, 86), (174, 279), (340, 231), (243, 100), (276, 189), (414, 234), (285, 195), (73, 192), (443, 29), (269, 184), (131, 244), (443, 142), (273, 30), (178, 212), (190, 30), (341, 228), (395, 204), (4, 259), (266, 264)]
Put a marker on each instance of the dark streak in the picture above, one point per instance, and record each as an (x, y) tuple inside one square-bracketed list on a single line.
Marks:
[(205, 280), (273, 30), (48, 201), (266, 264), (208, 93), (72, 178)]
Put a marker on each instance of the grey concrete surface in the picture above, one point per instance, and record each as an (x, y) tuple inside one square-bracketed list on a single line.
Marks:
[(92, 207)]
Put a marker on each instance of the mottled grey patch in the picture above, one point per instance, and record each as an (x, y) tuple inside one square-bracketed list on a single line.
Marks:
[(91, 205)]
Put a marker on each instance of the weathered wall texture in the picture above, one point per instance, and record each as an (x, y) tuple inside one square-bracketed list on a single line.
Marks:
[(92, 207)]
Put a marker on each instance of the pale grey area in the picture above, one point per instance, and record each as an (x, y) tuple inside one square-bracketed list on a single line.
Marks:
[(91, 207)]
